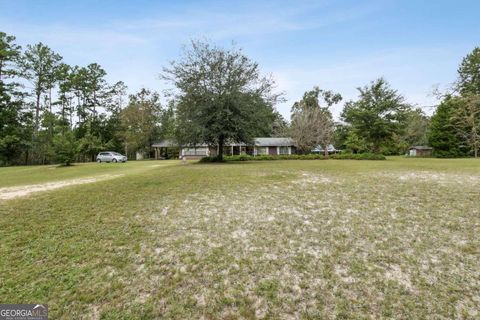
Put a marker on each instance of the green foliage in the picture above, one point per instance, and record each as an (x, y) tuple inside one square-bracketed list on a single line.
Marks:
[(139, 121), (13, 128), (90, 145), (280, 126), (466, 120), (13, 133), (416, 131), (222, 96), (469, 73), (340, 156), (443, 136), (9, 53), (354, 143), (359, 156), (378, 115), (65, 147), (39, 65)]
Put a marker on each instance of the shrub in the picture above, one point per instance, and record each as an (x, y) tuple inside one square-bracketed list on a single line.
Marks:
[(212, 159), (339, 156), (358, 156)]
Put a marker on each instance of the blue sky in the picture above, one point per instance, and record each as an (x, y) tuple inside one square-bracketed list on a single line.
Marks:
[(337, 45)]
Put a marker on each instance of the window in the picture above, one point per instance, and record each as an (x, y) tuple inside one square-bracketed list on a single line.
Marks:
[(283, 150), (261, 150), (195, 151)]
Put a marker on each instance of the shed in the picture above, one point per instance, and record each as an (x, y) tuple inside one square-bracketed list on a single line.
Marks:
[(420, 151)]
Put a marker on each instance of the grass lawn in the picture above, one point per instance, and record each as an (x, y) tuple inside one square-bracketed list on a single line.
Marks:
[(270, 239)]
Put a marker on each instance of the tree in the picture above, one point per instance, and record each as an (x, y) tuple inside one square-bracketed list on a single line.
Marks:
[(39, 65), (443, 136), (469, 73), (221, 96), (466, 120), (65, 147), (417, 126), (280, 126), (340, 135), (378, 115), (313, 127), (355, 143), (9, 53), (316, 98), (167, 122), (312, 123), (140, 121), (12, 117)]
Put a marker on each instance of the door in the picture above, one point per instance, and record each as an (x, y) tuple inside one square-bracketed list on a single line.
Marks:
[(272, 151)]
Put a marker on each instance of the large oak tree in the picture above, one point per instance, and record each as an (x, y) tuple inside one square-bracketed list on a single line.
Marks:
[(222, 96)]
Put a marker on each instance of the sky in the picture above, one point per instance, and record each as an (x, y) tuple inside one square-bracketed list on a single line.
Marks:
[(416, 45)]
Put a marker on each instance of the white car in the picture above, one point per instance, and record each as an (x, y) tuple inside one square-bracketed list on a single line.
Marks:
[(110, 156)]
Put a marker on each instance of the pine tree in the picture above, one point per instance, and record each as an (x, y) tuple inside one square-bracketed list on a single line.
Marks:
[(443, 136)]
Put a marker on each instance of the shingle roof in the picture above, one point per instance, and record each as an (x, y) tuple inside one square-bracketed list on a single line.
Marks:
[(259, 142), (167, 143), (274, 142), (421, 147)]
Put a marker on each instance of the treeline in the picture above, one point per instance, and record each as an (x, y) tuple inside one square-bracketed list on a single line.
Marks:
[(381, 121), (51, 112)]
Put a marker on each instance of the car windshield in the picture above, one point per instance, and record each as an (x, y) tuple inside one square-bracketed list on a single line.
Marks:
[(116, 154)]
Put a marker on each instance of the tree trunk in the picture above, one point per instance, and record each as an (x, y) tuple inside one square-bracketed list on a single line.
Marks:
[(221, 143), (37, 114), (50, 100), (325, 151)]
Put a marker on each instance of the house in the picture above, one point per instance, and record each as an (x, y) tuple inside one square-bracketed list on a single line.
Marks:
[(261, 146), (165, 149), (420, 151)]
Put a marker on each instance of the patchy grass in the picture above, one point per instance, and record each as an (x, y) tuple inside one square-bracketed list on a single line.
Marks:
[(283, 239)]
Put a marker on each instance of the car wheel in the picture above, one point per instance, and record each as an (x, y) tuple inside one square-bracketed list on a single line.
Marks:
[(114, 160), (99, 161)]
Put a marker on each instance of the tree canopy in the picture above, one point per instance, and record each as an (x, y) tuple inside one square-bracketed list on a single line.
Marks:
[(378, 114), (221, 96), (312, 121), (469, 73)]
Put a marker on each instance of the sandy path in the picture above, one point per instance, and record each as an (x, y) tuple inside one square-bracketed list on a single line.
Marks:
[(23, 191)]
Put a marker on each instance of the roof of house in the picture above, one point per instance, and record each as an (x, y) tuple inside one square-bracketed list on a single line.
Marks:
[(274, 142), (421, 147), (167, 143), (259, 142)]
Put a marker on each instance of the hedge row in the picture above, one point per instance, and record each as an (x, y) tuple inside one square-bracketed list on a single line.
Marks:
[(341, 156)]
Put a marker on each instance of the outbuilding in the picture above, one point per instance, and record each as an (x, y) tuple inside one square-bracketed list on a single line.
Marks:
[(420, 151)]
